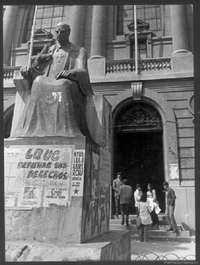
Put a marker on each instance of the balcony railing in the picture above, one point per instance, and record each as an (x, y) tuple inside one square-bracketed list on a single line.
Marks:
[(117, 66), (144, 65), (8, 71)]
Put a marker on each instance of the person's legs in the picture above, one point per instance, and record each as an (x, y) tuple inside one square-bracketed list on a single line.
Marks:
[(154, 218), (122, 213), (141, 232), (167, 215), (137, 211), (116, 206), (172, 218), (146, 237), (127, 213)]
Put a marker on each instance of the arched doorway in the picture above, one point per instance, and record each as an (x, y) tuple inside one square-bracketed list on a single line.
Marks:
[(138, 147)]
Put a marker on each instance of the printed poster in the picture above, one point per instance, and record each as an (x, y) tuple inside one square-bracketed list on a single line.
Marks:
[(173, 171), (78, 173), (41, 175)]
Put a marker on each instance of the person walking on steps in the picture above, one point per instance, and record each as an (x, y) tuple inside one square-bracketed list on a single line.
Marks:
[(144, 210), (126, 200), (116, 184), (170, 206)]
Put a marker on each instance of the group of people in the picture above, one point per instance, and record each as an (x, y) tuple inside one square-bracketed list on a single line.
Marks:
[(146, 204)]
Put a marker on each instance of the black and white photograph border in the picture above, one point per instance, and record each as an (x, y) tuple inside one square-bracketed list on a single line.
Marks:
[(99, 130)]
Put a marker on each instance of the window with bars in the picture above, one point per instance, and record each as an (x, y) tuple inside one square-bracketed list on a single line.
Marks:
[(148, 13)]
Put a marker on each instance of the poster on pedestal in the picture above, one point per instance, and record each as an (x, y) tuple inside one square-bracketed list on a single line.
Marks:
[(40, 175)]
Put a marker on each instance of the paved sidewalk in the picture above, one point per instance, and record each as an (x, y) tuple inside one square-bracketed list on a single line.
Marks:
[(162, 251)]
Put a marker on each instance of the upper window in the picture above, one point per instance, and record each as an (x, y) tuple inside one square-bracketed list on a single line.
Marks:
[(149, 13), (47, 17)]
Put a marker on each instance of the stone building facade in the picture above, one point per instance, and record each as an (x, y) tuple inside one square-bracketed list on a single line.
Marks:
[(151, 91)]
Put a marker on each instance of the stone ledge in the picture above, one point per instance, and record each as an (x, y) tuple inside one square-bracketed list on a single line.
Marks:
[(113, 245)]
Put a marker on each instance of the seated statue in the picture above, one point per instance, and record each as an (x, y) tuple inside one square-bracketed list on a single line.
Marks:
[(59, 83)]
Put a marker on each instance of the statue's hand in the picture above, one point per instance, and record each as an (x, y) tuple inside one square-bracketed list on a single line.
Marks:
[(25, 71), (65, 74)]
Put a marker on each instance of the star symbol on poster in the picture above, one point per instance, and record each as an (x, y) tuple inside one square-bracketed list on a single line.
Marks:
[(76, 191)]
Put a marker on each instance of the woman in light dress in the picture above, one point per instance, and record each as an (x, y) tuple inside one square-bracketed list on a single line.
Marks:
[(155, 209)]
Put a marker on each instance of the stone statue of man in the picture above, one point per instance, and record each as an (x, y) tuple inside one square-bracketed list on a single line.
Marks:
[(59, 82)]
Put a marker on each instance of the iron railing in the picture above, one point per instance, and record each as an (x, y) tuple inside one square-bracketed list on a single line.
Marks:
[(165, 257)]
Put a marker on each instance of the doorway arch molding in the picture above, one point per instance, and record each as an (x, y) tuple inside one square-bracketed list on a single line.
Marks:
[(170, 149)]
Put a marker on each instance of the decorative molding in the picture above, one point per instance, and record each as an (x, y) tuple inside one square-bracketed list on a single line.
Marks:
[(137, 89), (140, 116)]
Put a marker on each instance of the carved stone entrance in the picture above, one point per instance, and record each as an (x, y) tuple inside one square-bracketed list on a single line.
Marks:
[(138, 147), (157, 105)]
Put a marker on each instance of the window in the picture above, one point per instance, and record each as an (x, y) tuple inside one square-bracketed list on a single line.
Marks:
[(47, 17), (148, 13), (142, 49)]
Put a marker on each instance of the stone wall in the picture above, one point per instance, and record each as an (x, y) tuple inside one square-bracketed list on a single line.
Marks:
[(112, 246)]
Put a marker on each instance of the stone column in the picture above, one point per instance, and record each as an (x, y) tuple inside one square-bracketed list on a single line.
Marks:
[(179, 28), (98, 42), (181, 58), (77, 24), (9, 22)]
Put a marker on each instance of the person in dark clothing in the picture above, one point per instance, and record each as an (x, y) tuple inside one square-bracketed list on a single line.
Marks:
[(116, 184), (126, 200), (170, 206)]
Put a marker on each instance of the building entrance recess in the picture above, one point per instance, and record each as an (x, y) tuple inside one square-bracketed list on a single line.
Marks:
[(138, 148)]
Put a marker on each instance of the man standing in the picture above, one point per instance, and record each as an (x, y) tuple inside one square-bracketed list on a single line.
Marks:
[(126, 199), (137, 195), (170, 206), (116, 184)]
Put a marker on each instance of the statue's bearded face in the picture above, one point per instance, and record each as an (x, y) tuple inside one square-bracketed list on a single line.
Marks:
[(62, 34)]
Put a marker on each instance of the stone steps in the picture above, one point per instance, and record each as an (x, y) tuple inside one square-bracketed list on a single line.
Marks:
[(155, 233)]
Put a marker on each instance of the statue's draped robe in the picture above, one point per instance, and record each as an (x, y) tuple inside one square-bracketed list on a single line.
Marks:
[(54, 107)]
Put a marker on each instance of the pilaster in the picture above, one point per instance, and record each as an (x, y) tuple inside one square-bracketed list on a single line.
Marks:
[(9, 23)]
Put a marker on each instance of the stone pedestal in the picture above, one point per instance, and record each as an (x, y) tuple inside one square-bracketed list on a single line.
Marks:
[(58, 188), (182, 61), (57, 193), (114, 245), (96, 66)]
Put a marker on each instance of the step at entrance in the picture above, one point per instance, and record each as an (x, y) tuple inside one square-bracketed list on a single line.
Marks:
[(155, 233)]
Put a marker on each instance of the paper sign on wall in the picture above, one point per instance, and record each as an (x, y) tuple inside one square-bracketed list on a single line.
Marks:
[(78, 173), (173, 171), (39, 175)]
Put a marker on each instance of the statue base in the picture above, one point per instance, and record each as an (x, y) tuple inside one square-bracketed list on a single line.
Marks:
[(57, 194), (57, 189), (114, 245)]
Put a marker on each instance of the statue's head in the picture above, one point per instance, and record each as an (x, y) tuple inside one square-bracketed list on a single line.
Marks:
[(62, 33)]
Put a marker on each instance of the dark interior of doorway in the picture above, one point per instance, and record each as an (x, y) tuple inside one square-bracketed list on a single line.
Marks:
[(139, 156)]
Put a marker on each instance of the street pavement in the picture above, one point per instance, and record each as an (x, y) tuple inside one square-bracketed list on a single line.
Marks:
[(162, 251)]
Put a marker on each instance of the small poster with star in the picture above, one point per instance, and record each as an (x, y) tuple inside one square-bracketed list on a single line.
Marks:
[(78, 173)]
